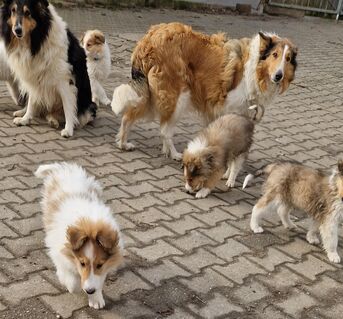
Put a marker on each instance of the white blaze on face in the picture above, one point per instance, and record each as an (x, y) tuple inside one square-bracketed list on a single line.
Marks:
[(281, 69), (93, 281)]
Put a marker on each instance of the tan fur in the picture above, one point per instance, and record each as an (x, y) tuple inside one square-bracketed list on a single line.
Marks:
[(227, 138), (95, 41), (104, 241), (302, 188)]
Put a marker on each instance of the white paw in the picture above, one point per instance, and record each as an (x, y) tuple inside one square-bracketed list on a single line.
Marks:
[(53, 122), (334, 258), (312, 239), (203, 193), (126, 146), (226, 175), (176, 156), (106, 102), (97, 301), (19, 113), (20, 121), (67, 133), (257, 229), (230, 183)]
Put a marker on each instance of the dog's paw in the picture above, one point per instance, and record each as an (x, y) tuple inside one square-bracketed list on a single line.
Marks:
[(230, 183), (53, 122), (126, 146), (96, 301), (176, 156), (20, 121), (312, 239), (67, 133), (334, 257), (19, 113), (203, 193), (106, 102), (257, 229)]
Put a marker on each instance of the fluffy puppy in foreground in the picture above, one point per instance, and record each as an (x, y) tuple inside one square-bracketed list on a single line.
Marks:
[(82, 235), (293, 186), (98, 63), (223, 145)]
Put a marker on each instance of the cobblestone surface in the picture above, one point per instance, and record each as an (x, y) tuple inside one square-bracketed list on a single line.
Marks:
[(185, 258)]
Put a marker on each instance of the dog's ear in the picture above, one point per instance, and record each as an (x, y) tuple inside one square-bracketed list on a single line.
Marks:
[(82, 38), (99, 37), (191, 168), (340, 167), (265, 38), (108, 239), (76, 238), (209, 159), (294, 57), (45, 3)]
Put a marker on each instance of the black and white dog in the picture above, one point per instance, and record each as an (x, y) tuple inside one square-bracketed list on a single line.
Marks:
[(50, 64)]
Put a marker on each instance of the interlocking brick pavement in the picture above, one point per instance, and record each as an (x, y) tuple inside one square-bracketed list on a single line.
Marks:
[(185, 258)]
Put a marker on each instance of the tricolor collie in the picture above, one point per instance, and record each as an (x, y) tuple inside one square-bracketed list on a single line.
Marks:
[(293, 186), (82, 235), (98, 63), (223, 145), (175, 69), (49, 63)]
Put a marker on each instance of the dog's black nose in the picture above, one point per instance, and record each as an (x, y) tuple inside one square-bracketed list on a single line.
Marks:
[(18, 31), (278, 76), (90, 291)]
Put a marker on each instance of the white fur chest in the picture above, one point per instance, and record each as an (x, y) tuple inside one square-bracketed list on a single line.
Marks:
[(100, 69)]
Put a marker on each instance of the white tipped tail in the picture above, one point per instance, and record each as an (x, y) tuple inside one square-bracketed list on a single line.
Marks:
[(44, 170), (123, 97), (247, 179)]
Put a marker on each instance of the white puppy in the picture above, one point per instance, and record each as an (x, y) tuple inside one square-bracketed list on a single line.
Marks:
[(98, 63), (81, 233)]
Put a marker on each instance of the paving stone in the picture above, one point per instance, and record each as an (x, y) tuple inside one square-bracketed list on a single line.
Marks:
[(230, 249), (251, 292), (193, 239)]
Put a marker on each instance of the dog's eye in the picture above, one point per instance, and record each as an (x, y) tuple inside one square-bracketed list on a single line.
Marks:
[(82, 264), (13, 10), (98, 266), (288, 59), (275, 55), (27, 13)]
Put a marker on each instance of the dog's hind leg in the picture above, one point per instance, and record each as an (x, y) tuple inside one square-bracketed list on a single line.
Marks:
[(264, 206), (329, 233), (283, 212), (99, 94), (235, 168), (311, 235), (227, 173), (168, 148)]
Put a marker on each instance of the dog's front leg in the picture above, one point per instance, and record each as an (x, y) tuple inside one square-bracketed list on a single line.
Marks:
[(28, 116), (96, 300), (99, 94), (68, 94)]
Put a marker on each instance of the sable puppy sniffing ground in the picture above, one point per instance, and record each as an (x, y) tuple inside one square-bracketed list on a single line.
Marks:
[(98, 63), (175, 70), (294, 186), (82, 236), (222, 146)]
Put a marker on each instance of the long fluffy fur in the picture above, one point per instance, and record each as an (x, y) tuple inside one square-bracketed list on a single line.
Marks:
[(51, 67), (218, 75)]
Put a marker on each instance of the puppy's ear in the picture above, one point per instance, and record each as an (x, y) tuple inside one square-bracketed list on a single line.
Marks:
[(191, 168), (82, 37), (340, 167), (100, 38), (209, 159), (108, 239), (294, 56), (76, 238), (265, 38)]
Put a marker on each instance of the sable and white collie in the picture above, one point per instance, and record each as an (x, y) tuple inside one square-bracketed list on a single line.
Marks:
[(82, 235), (98, 63), (294, 186), (49, 63), (7, 76), (175, 69), (223, 145)]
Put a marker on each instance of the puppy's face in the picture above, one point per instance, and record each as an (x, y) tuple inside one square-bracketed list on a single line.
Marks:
[(197, 169), (277, 61), (93, 42), (93, 247), (23, 15)]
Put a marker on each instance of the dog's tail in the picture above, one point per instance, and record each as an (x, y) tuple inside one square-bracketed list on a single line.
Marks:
[(264, 171), (132, 94), (44, 171)]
